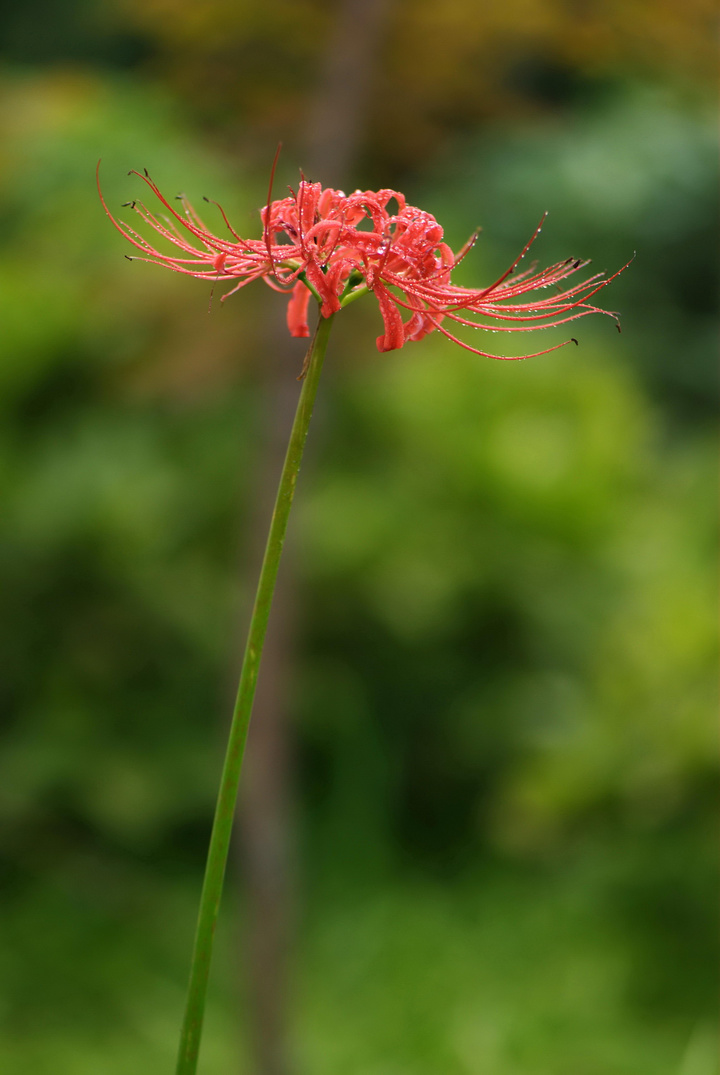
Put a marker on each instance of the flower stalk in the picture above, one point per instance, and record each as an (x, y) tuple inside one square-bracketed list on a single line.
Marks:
[(227, 797), (323, 244)]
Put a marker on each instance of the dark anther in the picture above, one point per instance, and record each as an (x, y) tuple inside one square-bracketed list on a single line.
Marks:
[(205, 199), (146, 172), (573, 340), (126, 204), (618, 326), (128, 257), (577, 263)]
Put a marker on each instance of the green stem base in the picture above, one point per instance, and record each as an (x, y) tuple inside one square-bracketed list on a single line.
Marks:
[(225, 809)]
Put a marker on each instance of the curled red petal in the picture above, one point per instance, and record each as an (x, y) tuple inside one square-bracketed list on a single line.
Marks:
[(297, 310), (394, 335)]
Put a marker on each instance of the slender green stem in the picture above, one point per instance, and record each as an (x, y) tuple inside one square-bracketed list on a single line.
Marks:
[(227, 796)]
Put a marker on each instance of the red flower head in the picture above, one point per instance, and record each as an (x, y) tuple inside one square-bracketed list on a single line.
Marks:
[(338, 247)]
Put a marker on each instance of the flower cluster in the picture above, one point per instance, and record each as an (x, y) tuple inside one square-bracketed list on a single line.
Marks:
[(336, 247)]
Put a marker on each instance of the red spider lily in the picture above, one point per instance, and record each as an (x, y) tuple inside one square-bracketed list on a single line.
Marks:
[(337, 247)]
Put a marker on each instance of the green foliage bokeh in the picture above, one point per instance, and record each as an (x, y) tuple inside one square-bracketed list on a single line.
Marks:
[(507, 639)]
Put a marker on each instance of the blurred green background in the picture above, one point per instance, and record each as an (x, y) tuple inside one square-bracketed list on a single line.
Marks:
[(493, 772)]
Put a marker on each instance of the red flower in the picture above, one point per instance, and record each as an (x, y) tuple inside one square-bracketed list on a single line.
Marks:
[(337, 247)]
